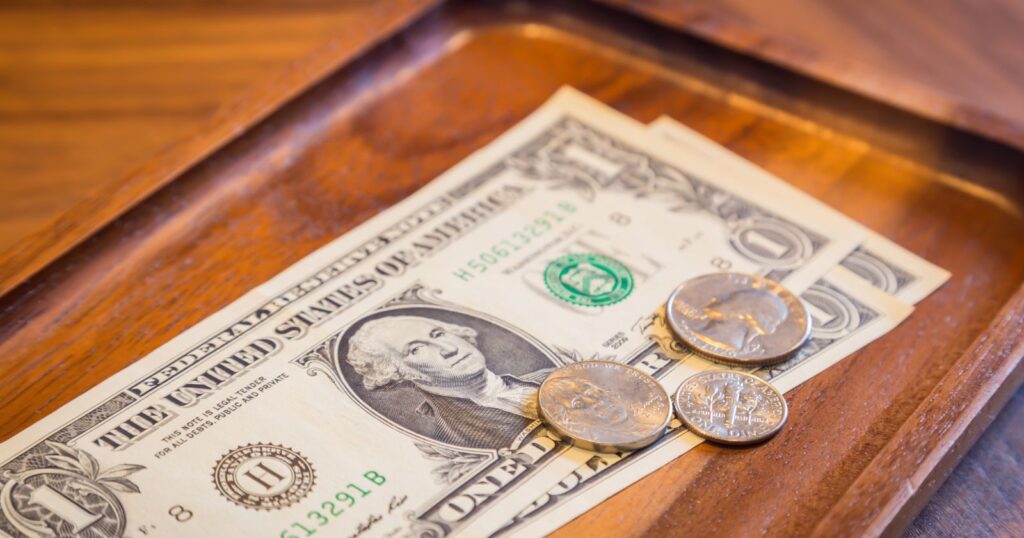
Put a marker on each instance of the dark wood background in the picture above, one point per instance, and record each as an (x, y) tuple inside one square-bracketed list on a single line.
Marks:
[(89, 92), (954, 60)]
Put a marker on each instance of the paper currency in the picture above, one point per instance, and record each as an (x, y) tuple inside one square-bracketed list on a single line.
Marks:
[(849, 308), (884, 264), (383, 385)]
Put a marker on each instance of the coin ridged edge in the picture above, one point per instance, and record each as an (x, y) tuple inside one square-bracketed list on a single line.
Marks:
[(588, 444), (700, 432), (767, 361)]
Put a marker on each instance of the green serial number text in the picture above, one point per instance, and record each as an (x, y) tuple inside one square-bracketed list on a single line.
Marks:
[(520, 238), (330, 509)]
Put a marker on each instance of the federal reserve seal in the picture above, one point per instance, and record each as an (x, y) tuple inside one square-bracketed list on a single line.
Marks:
[(263, 476), (588, 279)]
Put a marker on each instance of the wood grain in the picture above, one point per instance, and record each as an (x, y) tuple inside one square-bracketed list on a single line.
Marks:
[(90, 94), (396, 117), (985, 495), (937, 433), (955, 61)]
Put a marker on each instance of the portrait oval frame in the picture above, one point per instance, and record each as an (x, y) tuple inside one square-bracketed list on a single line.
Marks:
[(491, 333)]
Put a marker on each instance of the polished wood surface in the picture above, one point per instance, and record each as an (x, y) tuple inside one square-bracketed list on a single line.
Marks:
[(108, 103), (40, 317), (956, 61)]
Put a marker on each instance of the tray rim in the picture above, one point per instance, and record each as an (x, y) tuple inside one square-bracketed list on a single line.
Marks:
[(884, 499), (734, 33), (880, 500)]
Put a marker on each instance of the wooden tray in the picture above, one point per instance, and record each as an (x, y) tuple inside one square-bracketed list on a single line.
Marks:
[(867, 441)]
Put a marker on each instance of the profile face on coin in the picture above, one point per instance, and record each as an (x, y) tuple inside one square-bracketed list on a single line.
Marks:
[(604, 406), (738, 318), (730, 407)]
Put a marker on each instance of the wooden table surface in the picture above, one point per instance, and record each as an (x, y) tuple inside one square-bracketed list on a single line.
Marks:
[(87, 94)]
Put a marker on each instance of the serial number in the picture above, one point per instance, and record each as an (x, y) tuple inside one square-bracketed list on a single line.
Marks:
[(330, 509), (525, 235)]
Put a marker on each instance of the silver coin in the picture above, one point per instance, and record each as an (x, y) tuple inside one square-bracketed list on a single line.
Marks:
[(604, 406), (738, 319), (730, 407)]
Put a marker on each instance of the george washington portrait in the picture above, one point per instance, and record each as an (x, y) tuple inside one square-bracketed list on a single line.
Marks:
[(444, 374)]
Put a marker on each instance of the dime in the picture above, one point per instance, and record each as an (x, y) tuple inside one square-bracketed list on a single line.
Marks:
[(739, 319), (605, 406), (730, 407)]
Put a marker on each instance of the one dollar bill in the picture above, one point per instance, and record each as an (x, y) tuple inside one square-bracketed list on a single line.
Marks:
[(384, 384)]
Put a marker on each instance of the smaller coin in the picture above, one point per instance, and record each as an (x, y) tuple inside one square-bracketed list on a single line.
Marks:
[(604, 406), (739, 319), (730, 407)]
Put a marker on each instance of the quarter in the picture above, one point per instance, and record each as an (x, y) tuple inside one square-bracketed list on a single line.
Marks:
[(739, 319), (604, 406), (730, 407)]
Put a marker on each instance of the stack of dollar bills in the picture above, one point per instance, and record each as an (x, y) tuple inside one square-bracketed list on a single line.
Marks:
[(386, 384)]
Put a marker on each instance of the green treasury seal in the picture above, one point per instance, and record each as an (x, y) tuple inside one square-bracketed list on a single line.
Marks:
[(588, 279)]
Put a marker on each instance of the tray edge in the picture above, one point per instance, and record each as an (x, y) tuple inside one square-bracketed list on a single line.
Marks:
[(885, 498), (737, 35)]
